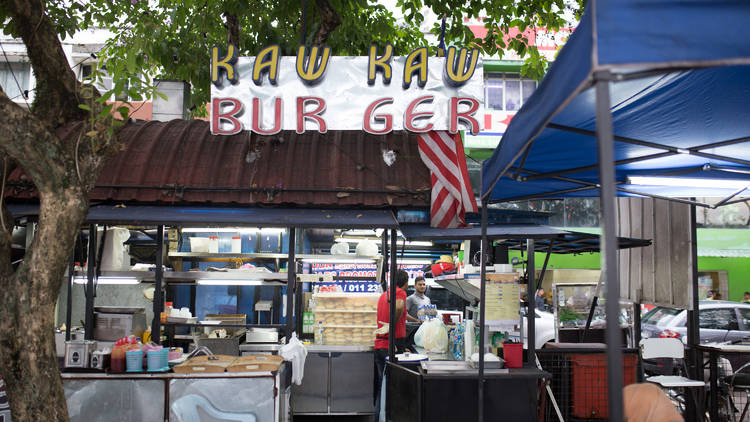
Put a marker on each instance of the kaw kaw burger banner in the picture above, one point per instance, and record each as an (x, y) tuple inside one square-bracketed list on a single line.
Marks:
[(314, 91)]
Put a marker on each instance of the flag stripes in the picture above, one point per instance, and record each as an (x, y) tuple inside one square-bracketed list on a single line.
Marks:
[(452, 195)]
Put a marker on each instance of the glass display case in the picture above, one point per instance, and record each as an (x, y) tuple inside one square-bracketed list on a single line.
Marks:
[(345, 318), (572, 304)]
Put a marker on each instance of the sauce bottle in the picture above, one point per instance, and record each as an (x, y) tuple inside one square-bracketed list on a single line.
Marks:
[(117, 360)]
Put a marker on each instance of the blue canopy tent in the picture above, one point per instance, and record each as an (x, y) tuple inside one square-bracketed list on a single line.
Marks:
[(642, 88)]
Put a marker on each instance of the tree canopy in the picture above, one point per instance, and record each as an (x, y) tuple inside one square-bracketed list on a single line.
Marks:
[(171, 39)]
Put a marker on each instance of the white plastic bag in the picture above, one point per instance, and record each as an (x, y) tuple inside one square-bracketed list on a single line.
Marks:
[(114, 253), (296, 353), (432, 336)]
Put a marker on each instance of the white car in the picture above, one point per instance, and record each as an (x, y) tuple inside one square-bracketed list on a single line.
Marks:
[(544, 329)]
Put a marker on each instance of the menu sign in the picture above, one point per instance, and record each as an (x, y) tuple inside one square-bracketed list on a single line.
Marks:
[(502, 298)]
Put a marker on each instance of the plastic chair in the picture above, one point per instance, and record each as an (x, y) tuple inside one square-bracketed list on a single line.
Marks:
[(738, 381), (671, 348)]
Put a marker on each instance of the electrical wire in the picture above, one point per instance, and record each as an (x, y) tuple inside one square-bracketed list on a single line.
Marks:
[(10, 68)]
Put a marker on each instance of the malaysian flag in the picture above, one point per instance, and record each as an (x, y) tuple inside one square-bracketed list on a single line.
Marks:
[(452, 196)]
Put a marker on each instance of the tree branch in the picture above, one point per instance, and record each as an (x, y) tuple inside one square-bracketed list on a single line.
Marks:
[(26, 140), (57, 87), (329, 20), (233, 28)]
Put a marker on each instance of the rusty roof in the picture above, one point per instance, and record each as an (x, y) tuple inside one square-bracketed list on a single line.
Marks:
[(182, 162)]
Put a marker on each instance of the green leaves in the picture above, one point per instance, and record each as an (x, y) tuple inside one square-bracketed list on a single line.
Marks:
[(171, 39)]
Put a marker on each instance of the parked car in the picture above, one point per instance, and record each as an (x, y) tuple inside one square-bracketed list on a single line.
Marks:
[(719, 321), (544, 328)]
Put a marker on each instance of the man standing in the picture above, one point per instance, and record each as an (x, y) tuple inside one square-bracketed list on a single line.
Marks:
[(416, 300), (539, 300), (746, 298), (381, 336)]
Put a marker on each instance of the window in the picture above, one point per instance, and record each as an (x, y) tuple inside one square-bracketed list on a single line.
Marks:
[(85, 71), (14, 79), (507, 91), (718, 319), (661, 316), (745, 315)]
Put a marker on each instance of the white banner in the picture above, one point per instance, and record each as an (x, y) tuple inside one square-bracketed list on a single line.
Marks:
[(349, 102)]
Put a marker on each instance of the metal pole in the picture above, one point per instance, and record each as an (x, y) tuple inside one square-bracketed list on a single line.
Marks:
[(483, 287), (636, 335), (384, 248), (391, 319), (69, 301), (158, 283), (544, 267), (291, 283), (298, 295), (695, 357), (392, 301), (604, 134), (531, 304), (88, 324)]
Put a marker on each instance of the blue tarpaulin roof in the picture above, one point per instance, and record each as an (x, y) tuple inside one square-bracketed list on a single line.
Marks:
[(680, 104)]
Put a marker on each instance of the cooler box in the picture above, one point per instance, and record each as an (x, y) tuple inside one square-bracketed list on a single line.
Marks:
[(589, 398)]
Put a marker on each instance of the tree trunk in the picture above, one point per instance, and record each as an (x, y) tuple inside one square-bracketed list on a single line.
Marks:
[(28, 361)]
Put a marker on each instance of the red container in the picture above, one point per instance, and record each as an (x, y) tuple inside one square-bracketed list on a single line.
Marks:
[(513, 355), (590, 398)]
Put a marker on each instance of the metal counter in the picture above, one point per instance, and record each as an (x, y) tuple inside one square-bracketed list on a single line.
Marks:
[(311, 348), (252, 396), (417, 396), (338, 380)]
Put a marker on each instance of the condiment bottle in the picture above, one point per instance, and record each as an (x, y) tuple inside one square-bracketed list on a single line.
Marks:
[(117, 360)]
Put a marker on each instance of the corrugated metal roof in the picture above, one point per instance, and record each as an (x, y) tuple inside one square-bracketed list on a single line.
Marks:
[(181, 162)]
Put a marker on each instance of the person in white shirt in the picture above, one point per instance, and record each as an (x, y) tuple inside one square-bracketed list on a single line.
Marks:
[(414, 301)]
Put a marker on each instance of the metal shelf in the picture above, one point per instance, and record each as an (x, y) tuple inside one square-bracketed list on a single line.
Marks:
[(205, 255), (176, 277)]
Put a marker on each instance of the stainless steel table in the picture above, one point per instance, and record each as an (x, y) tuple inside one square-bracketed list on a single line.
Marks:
[(260, 396)]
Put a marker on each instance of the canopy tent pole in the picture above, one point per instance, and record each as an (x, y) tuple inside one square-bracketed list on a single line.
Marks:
[(530, 302), (604, 134), (391, 318), (695, 358), (482, 290)]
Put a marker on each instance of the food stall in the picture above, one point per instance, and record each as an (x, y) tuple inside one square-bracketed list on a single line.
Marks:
[(223, 173), (445, 387), (347, 317)]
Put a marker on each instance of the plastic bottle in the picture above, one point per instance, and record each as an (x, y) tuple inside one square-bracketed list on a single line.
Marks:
[(213, 244), (168, 309), (319, 337), (117, 361), (236, 244)]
